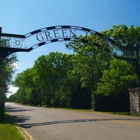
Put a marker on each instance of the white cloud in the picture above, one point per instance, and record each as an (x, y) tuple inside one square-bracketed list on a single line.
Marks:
[(15, 64), (11, 90)]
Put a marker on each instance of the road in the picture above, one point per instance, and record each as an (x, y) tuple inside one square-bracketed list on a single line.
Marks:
[(57, 124)]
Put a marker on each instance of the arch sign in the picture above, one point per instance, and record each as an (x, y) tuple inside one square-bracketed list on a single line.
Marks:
[(47, 35), (37, 38)]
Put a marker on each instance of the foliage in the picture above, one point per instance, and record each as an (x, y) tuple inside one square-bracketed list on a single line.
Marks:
[(12, 98), (7, 67), (90, 59), (91, 77), (123, 35), (6, 72), (52, 70), (117, 79), (51, 81)]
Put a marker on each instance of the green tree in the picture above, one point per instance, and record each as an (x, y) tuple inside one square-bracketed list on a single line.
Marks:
[(90, 60), (123, 35), (117, 79), (6, 72), (21, 93), (28, 87), (52, 69), (12, 98), (112, 90), (120, 76)]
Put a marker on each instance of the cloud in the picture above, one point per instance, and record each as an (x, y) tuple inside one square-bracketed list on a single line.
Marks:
[(15, 64), (11, 90)]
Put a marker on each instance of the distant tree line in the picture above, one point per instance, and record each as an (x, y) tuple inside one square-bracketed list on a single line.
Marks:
[(91, 78)]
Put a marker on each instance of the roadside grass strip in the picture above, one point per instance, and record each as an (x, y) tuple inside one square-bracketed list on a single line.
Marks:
[(8, 130)]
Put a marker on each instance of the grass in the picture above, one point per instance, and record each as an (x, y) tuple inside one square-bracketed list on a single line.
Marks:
[(8, 130), (87, 110), (91, 110), (118, 113)]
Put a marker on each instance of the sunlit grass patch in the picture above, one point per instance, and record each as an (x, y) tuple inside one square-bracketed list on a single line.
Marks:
[(8, 130)]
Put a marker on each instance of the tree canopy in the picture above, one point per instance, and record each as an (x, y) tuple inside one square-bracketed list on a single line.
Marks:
[(6, 72), (91, 77), (7, 67)]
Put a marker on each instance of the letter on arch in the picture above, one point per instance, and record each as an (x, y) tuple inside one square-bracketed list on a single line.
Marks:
[(39, 37)]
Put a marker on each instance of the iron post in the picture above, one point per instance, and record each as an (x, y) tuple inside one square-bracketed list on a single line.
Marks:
[(0, 30), (137, 64)]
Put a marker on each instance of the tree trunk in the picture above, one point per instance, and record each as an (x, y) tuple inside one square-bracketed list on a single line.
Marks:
[(53, 97)]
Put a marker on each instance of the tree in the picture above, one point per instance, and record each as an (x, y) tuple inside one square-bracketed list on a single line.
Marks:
[(52, 69), (112, 90), (67, 80), (28, 92), (12, 98), (6, 72), (126, 37), (52, 81), (120, 76), (90, 60), (123, 35), (93, 54), (117, 79)]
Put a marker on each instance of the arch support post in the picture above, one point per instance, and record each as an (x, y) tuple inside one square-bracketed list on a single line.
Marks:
[(4, 52), (2, 101), (134, 93), (2, 93), (137, 65)]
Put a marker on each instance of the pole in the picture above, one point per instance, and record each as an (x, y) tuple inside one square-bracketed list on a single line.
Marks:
[(2, 101), (2, 93), (137, 65), (0, 32)]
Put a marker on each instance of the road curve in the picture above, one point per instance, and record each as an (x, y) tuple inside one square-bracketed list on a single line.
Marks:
[(57, 124)]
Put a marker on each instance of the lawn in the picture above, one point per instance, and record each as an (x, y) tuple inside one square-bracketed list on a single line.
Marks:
[(8, 130)]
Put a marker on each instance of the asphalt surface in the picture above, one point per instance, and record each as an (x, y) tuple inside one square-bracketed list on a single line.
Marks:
[(57, 124)]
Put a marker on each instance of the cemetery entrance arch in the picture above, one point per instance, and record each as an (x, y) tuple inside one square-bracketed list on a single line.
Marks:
[(43, 36)]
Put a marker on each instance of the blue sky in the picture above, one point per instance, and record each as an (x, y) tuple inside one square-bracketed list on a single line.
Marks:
[(22, 17)]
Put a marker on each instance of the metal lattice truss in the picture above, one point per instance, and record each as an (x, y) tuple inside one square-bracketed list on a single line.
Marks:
[(14, 42)]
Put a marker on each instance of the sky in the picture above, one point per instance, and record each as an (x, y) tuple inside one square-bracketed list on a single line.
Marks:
[(22, 17)]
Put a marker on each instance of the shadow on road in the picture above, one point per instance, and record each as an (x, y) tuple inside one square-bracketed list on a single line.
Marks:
[(71, 121), (20, 118), (16, 109)]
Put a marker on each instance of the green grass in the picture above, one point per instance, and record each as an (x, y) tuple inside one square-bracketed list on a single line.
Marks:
[(90, 110), (118, 113), (8, 130)]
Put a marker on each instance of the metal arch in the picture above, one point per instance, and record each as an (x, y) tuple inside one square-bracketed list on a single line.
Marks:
[(60, 27), (16, 41), (77, 28), (51, 41), (59, 39), (4, 52), (19, 39)]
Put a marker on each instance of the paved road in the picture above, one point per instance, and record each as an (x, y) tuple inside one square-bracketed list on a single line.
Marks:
[(56, 124)]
